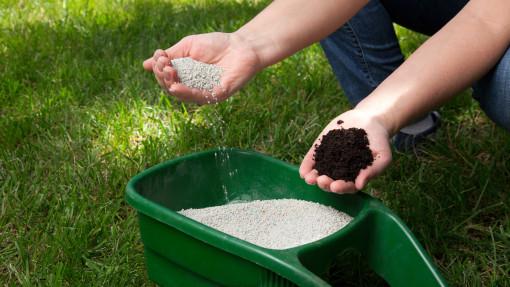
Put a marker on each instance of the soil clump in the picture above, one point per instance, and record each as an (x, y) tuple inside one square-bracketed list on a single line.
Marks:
[(342, 153)]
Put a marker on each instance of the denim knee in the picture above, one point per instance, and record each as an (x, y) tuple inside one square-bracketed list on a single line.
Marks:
[(493, 92), (364, 51)]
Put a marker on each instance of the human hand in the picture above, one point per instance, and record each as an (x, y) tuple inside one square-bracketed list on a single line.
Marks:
[(378, 143), (240, 64)]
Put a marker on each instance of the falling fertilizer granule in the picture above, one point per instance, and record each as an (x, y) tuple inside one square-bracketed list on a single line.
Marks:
[(195, 74), (274, 224)]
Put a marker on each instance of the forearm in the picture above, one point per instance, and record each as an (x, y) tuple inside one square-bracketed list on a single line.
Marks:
[(458, 55), (287, 26)]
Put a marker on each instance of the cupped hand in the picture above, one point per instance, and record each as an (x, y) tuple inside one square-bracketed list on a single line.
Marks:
[(239, 61), (378, 138)]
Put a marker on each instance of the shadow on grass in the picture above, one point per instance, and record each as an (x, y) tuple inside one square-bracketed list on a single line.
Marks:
[(83, 57), (89, 52)]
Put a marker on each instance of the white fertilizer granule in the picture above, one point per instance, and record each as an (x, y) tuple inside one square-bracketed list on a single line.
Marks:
[(195, 74), (274, 224)]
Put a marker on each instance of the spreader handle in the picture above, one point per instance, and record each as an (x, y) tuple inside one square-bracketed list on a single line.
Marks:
[(389, 247), (385, 243)]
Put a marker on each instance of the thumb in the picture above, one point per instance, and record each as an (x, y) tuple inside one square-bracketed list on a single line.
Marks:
[(147, 65), (363, 178), (382, 160)]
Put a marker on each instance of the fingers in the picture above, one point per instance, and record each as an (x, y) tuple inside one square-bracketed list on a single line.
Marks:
[(327, 184), (159, 73), (382, 159), (324, 182), (150, 63), (341, 186), (157, 65), (311, 177), (337, 186), (147, 65), (178, 50), (307, 165), (169, 76)]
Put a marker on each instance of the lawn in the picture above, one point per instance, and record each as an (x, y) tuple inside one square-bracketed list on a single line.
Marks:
[(79, 117)]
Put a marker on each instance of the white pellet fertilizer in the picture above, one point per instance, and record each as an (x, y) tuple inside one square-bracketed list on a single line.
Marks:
[(195, 74), (274, 224)]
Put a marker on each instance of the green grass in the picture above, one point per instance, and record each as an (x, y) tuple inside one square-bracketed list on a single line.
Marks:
[(79, 117)]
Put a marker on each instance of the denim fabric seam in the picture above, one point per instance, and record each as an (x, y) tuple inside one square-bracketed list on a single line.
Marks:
[(361, 54)]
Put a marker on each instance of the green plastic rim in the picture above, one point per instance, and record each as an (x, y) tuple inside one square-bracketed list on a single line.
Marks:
[(177, 247)]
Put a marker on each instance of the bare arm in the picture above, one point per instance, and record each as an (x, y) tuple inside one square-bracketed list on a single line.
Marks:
[(458, 55), (287, 26), (280, 30), (449, 62)]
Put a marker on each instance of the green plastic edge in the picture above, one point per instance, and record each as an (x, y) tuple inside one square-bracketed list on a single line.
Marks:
[(283, 262)]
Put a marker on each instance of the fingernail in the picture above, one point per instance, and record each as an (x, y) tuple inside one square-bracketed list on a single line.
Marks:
[(167, 76)]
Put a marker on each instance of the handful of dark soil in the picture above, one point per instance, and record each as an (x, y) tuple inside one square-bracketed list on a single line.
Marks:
[(343, 153)]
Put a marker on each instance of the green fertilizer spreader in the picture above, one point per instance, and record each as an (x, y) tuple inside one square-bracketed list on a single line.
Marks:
[(182, 252)]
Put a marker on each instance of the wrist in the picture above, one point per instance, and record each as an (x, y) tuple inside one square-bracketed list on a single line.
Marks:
[(379, 117), (260, 44)]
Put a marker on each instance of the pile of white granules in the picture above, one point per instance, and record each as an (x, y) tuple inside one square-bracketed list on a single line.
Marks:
[(274, 224), (195, 74)]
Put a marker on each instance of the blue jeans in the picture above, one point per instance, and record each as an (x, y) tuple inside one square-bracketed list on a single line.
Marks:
[(365, 51)]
